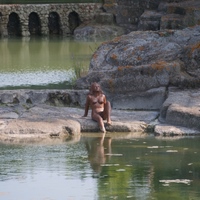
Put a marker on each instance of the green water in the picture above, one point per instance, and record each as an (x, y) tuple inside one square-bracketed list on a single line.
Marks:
[(123, 167), (43, 62)]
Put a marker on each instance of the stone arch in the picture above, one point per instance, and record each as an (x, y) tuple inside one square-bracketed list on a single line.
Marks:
[(14, 25), (74, 21), (34, 24), (54, 23)]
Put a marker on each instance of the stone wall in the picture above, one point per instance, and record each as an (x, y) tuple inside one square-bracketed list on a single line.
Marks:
[(84, 12), (133, 13), (127, 12)]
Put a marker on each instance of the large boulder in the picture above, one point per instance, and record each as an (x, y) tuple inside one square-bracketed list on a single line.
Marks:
[(97, 32), (102, 27), (145, 60)]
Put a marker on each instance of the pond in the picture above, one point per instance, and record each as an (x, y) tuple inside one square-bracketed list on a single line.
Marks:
[(96, 166), (43, 63)]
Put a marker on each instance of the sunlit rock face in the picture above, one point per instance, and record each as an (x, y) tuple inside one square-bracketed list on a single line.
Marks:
[(133, 64)]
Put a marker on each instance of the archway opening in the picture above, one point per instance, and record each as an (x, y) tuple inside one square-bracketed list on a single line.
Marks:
[(34, 24), (74, 21), (54, 24), (14, 26)]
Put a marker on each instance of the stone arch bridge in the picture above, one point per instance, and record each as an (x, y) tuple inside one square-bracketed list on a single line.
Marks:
[(44, 19)]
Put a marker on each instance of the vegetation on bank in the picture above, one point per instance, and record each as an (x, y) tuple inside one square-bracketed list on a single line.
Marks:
[(47, 1)]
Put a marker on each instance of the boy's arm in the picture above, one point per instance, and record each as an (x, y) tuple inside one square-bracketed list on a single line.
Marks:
[(105, 101), (87, 105)]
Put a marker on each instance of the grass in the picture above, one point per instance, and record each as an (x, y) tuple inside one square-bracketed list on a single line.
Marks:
[(80, 69)]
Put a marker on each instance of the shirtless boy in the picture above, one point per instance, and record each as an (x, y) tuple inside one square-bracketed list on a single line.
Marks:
[(101, 108)]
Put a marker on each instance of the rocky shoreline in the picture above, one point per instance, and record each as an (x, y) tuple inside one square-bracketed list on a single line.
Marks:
[(43, 114), (150, 78)]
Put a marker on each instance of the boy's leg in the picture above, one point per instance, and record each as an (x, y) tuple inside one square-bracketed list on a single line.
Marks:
[(99, 119), (107, 112)]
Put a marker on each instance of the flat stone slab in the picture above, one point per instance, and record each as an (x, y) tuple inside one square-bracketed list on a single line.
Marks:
[(44, 120), (20, 119), (182, 108)]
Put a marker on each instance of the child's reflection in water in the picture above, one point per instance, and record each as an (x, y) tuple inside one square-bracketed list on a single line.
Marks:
[(97, 149)]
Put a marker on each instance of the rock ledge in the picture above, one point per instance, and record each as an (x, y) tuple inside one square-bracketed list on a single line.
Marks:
[(47, 117)]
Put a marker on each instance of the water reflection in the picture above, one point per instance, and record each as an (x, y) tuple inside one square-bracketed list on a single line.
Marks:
[(102, 166), (40, 61), (98, 150)]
